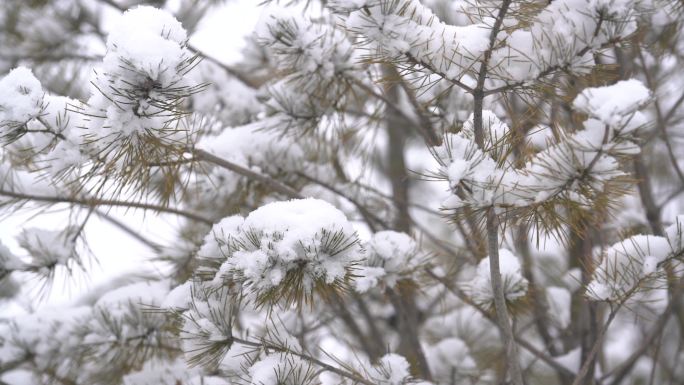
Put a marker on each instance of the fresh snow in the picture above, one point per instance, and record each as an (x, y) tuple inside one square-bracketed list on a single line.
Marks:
[(306, 235), (613, 105), (389, 254), (624, 265), (146, 53), (21, 98), (48, 248), (514, 284)]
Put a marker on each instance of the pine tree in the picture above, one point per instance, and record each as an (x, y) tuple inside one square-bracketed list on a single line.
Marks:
[(380, 192)]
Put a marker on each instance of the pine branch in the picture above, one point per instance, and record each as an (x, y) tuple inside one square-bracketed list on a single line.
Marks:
[(92, 202), (128, 230), (589, 361), (434, 70), (504, 322), (550, 70), (618, 374), (404, 303), (282, 349), (560, 369), (228, 69), (661, 123), (281, 188)]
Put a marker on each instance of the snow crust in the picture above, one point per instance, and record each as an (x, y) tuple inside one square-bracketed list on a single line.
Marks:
[(409, 28), (48, 248), (627, 264), (389, 255), (146, 54), (306, 235), (613, 104), (21, 98), (514, 284)]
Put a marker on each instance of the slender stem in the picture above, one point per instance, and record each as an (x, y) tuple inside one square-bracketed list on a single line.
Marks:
[(503, 319), (560, 369), (538, 302), (407, 320), (340, 307), (618, 374), (128, 230), (646, 195), (373, 331), (91, 202), (425, 126), (305, 357), (588, 362), (661, 123), (199, 154), (403, 300)]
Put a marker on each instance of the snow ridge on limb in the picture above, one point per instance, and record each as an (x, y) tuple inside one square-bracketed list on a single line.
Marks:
[(574, 173)]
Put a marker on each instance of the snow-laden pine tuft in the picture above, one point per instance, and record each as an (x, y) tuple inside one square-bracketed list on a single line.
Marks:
[(614, 105), (288, 249), (49, 248), (389, 255), (318, 62), (514, 284), (634, 264), (139, 89), (587, 160), (409, 29), (562, 35), (21, 100), (392, 369)]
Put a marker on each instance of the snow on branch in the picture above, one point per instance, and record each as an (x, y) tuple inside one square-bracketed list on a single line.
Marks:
[(136, 115), (391, 256), (568, 176), (409, 31), (141, 84), (514, 284), (317, 62), (20, 102), (631, 268), (288, 250), (561, 37)]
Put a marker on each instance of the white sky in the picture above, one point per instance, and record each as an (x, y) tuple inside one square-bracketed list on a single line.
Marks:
[(222, 30), (220, 35)]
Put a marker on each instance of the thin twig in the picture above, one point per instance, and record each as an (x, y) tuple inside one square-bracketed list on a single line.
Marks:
[(513, 359), (562, 370), (305, 357), (200, 154), (228, 69), (91, 202)]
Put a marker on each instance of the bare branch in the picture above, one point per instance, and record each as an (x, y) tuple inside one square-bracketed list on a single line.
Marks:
[(93, 202)]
